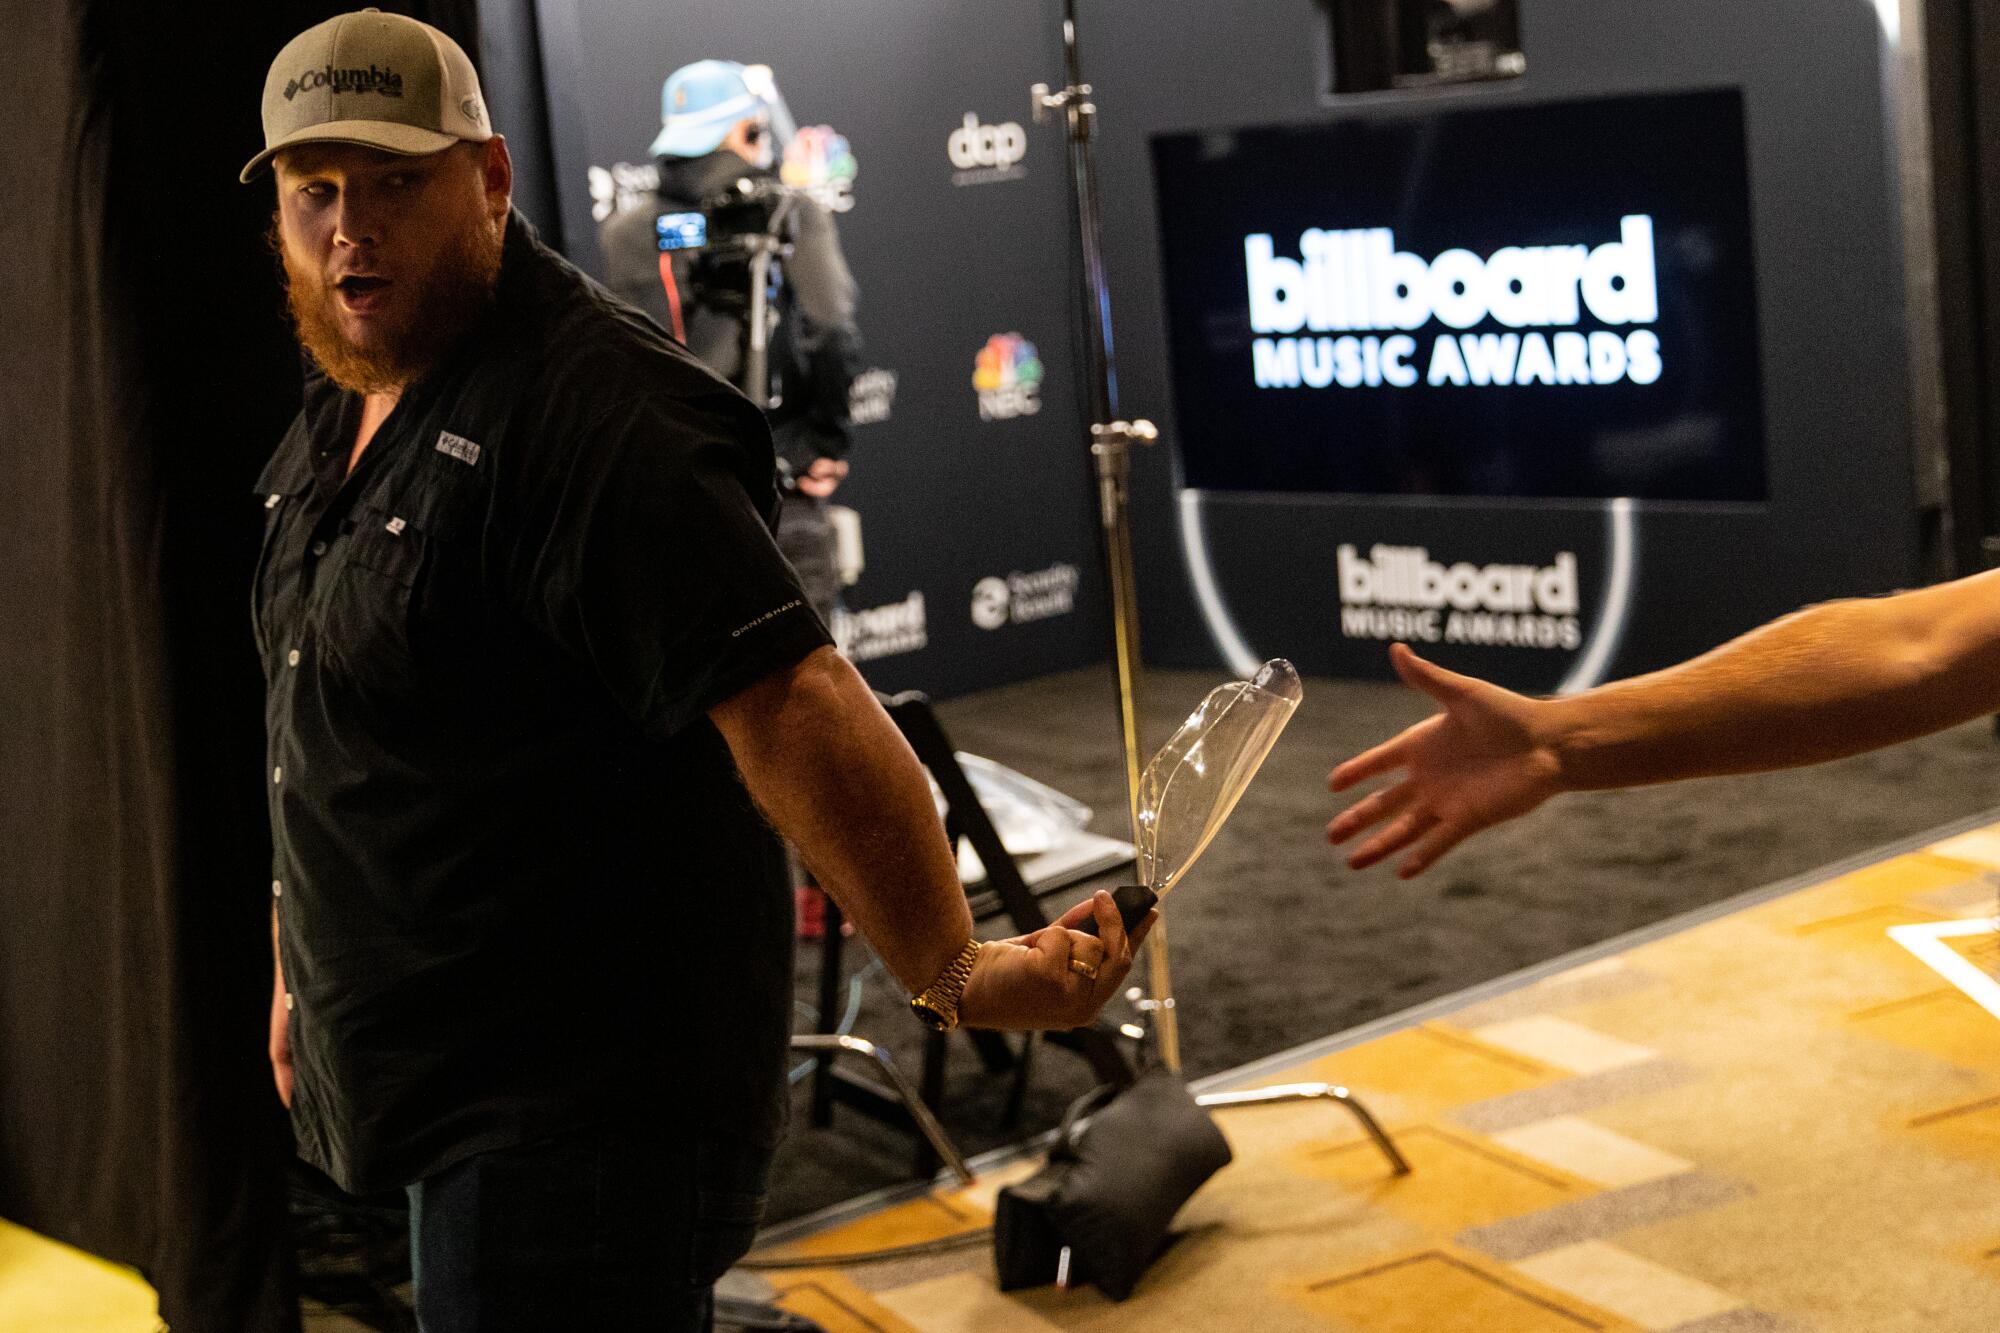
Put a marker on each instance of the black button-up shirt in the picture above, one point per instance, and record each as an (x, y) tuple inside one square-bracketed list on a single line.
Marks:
[(519, 884)]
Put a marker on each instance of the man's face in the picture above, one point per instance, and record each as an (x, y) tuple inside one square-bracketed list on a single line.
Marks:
[(388, 260)]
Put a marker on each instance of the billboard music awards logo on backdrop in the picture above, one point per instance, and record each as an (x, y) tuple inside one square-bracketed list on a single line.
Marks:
[(871, 397), (984, 154), (881, 631), (1357, 284), (819, 161), (1020, 598), (1399, 592), (1008, 376)]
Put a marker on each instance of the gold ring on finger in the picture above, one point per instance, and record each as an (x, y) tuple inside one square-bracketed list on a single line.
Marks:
[(1083, 969)]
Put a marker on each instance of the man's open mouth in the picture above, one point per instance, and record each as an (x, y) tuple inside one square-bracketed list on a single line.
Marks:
[(361, 293)]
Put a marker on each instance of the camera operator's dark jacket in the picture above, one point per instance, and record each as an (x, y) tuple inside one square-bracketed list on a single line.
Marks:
[(815, 352)]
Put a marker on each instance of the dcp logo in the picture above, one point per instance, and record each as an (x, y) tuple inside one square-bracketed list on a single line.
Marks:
[(985, 153), (990, 598)]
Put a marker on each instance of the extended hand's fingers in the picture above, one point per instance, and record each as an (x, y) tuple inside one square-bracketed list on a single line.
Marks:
[(1431, 679), (1434, 844), (1384, 758), (1374, 809), (1403, 831)]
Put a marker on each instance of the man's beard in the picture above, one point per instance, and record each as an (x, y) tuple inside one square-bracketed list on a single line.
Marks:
[(433, 310)]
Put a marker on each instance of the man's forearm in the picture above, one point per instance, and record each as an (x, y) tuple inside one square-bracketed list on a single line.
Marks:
[(1830, 681), (835, 776)]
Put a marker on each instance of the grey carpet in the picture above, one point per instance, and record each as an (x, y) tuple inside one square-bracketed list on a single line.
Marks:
[(1275, 942)]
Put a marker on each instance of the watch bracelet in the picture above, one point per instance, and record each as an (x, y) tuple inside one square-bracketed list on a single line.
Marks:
[(944, 993)]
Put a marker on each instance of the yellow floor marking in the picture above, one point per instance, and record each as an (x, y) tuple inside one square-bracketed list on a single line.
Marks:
[(1958, 951), (929, 1218), (1886, 884), (1970, 1129), (1457, 1180), (1430, 1070), (1942, 1023), (968, 1303), (1442, 1290), (836, 1304)]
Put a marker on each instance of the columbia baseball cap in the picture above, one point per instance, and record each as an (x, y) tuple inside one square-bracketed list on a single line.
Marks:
[(381, 80), (700, 102)]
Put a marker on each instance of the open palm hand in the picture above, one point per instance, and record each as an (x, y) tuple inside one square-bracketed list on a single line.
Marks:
[(1477, 762)]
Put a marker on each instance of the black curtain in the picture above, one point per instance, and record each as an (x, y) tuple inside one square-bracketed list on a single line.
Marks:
[(145, 373), (1962, 42)]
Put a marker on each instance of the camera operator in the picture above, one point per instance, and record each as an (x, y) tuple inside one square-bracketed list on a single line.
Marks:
[(724, 125)]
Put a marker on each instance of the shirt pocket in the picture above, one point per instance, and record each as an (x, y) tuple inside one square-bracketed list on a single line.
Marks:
[(399, 549)]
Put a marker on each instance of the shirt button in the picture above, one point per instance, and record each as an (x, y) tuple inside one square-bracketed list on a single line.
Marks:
[(319, 548), (292, 658), (277, 888), (288, 1002), (277, 775)]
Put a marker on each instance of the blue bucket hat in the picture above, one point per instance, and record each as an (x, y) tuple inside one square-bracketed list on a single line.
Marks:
[(699, 103)]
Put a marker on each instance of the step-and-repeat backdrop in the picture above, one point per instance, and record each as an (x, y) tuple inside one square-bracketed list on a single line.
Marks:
[(1557, 377)]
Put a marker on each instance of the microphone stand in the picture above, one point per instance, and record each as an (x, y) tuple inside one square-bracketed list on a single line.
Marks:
[(1111, 441)]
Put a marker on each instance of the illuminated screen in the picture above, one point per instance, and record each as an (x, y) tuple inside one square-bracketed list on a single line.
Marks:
[(1544, 301)]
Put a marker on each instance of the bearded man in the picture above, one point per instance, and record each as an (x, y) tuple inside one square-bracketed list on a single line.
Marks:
[(530, 656)]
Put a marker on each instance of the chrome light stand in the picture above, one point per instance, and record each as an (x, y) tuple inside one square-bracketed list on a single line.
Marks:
[(1111, 441)]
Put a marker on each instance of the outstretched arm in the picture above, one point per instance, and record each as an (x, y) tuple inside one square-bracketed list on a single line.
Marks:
[(1829, 681)]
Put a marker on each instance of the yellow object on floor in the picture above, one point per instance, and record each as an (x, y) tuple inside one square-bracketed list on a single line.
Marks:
[(1783, 1118), (46, 1286)]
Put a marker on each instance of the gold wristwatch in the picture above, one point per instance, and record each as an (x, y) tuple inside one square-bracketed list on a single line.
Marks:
[(938, 1005)]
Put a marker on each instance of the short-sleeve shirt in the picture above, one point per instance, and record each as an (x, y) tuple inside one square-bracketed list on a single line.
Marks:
[(520, 887)]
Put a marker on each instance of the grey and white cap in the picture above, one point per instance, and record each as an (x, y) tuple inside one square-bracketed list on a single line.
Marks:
[(382, 80)]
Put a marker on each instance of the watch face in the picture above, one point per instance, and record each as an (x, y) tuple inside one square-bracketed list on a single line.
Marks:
[(932, 1018)]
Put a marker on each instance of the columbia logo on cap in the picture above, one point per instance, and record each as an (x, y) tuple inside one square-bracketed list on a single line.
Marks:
[(370, 80)]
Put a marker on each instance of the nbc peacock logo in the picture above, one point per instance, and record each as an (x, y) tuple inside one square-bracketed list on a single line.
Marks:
[(820, 161), (1008, 377)]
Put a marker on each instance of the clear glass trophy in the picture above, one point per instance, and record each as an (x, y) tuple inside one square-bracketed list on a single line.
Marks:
[(1196, 779), (1185, 794)]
